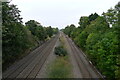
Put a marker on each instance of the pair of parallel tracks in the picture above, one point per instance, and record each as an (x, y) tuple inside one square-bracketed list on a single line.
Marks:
[(87, 71), (29, 66)]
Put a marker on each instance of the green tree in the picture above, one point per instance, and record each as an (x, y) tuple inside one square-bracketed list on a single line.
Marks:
[(14, 41), (117, 29), (111, 16), (83, 22), (33, 26), (69, 29), (99, 25), (92, 39), (106, 58), (82, 39), (49, 31), (36, 29), (55, 30), (92, 17)]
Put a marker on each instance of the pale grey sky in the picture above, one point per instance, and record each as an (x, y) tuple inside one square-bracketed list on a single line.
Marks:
[(60, 13)]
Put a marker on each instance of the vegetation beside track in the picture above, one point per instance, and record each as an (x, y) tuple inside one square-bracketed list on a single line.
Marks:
[(61, 67)]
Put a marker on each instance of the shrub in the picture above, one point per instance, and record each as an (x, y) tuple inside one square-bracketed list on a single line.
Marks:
[(60, 51)]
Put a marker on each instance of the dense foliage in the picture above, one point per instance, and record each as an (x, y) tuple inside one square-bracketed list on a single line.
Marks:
[(99, 37), (60, 51), (17, 39)]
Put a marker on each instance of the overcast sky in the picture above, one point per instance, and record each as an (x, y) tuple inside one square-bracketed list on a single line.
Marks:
[(60, 13)]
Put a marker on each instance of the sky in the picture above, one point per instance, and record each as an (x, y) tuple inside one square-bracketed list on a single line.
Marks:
[(60, 13)]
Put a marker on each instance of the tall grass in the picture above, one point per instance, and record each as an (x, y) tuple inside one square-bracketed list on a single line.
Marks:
[(60, 68)]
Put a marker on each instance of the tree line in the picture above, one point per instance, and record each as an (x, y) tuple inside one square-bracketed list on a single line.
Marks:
[(19, 39), (98, 36)]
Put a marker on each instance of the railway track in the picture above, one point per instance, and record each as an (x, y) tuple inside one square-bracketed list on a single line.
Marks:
[(85, 68), (29, 66)]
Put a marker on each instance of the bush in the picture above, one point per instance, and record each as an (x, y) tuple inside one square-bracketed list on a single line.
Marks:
[(60, 51)]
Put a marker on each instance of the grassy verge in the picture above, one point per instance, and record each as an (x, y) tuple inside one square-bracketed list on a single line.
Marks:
[(60, 68)]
